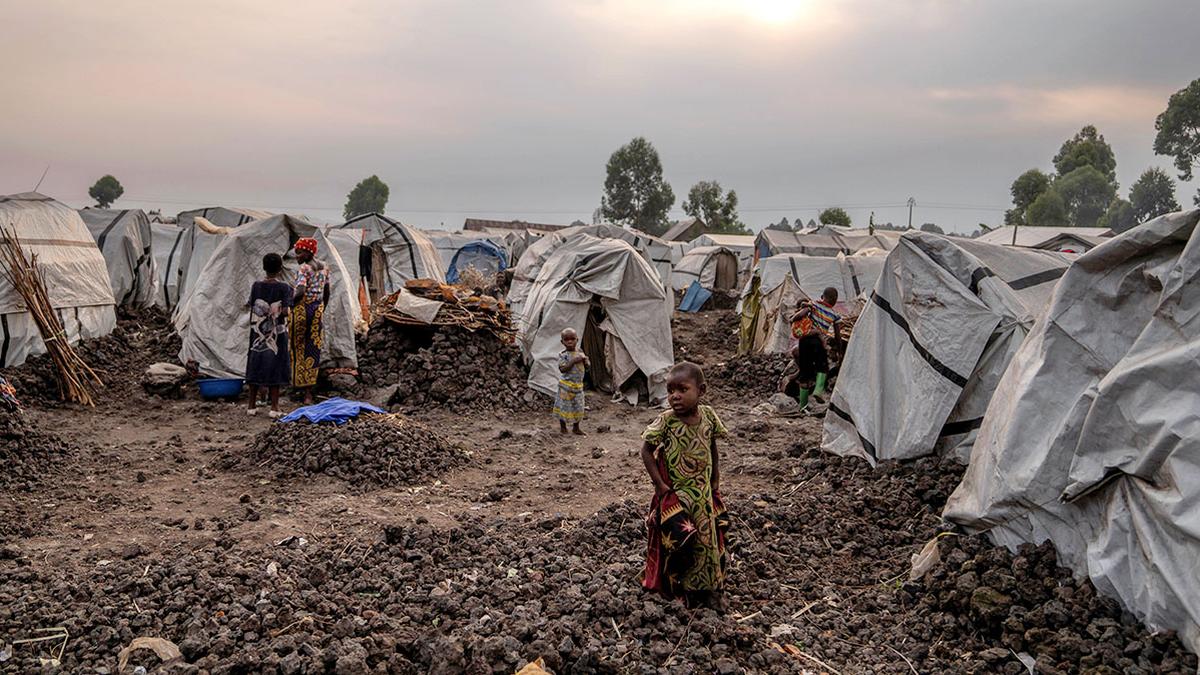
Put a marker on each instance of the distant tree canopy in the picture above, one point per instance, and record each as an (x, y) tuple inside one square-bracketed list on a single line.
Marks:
[(1179, 131), (835, 216), (1152, 195), (635, 193), (1119, 216), (709, 202), (931, 227), (369, 196), (1087, 148), (783, 225), (1048, 210), (1087, 193), (106, 191), (1025, 190), (1084, 185)]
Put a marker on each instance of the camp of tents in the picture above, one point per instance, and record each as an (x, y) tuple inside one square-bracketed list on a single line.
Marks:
[(125, 240)]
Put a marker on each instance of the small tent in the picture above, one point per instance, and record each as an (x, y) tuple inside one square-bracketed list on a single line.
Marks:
[(395, 253), (167, 247), (482, 255), (741, 244), (778, 284), (124, 238), (714, 267), (222, 216), (1091, 439), (824, 241), (613, 298), (213, 320), (941, 326), (72, 267)]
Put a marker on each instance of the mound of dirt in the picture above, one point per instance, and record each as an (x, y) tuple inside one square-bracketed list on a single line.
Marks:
[(451, 367), (706, 338), (27, 452), (751, 376), (371, 451)]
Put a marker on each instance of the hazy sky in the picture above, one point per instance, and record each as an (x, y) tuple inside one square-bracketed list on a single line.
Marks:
[(509, 109)]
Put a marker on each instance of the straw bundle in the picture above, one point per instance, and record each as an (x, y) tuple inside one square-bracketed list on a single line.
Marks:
[(76, 381)]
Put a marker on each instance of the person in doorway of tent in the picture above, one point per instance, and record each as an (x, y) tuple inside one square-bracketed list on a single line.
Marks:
[(310, 295), (817, 329), (687, 524), (267, 362), (572, 364)]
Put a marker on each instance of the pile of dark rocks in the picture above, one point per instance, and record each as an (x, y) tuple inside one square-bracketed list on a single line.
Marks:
[(750, 376), (370, 451), (448, 366), (28, 453)]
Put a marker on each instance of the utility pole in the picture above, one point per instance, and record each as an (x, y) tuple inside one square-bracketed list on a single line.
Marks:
[(911, 203)]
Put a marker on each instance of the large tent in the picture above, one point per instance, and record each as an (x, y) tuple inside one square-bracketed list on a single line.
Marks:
[(395, 253), (1091, 440), (72, 267), (124, 238), (714, 267), (613, 298), (213, 320), (941, 326), (222, 216), (741, 244), (824, 241), (1038, 237), (448, 243), (481, 255), (778, 283), (167, 247)]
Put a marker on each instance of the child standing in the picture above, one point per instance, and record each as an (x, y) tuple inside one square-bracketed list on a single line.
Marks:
[(687, 523), (568, 404), (817, 328), (267, 362)]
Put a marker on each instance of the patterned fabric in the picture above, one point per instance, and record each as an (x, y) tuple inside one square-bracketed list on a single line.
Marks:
[(568, 402), (313, 276), (8, 395), (267, 361), (818, 321), (307, 339), (686, 528), (307, 244)]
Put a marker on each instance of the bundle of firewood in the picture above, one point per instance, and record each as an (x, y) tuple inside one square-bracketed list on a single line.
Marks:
[(460, 307), (76, 381)]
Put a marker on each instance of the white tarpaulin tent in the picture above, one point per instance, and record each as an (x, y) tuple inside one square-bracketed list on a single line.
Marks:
[(214, 321), (927, 351), (633, 333), (741, 244), (824, 241), (715, 267), (447, 243), (780, 282), (1092, 440), (397, 252), (123, 237), (167, 246), (73, 269), (222, 216)]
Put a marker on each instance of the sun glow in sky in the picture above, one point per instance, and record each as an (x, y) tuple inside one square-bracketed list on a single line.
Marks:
[(772, 11)]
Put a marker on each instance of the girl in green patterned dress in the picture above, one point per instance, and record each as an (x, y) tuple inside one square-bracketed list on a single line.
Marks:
[(687, 523)]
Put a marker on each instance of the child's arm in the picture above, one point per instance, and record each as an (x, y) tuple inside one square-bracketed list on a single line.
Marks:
[(660, 485)]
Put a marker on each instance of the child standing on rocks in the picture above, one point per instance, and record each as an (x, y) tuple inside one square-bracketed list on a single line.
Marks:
[(687, 523), (568, 403), (267, 362)]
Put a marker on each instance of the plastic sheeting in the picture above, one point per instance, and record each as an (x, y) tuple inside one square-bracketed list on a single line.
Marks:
[(167, 247), (222, 216), (941, 326), (1092, 440), (214, 321), (73, 269), (123, 237), (824, 241), (638, 322), (487, 258), (700, 264), (402, 252)]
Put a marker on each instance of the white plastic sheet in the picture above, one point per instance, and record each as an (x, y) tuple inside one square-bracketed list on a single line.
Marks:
[(123, 237)]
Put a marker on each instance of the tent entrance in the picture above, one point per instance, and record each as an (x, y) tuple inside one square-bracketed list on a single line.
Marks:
[(592, 344), (727, 271)]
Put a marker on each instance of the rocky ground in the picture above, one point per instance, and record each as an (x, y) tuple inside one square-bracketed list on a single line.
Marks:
[(530, 549)]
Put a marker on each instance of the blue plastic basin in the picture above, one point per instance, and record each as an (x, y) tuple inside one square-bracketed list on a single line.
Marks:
[(227, 387)]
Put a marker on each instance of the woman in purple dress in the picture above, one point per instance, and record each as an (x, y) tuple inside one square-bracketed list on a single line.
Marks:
[(267, 362)]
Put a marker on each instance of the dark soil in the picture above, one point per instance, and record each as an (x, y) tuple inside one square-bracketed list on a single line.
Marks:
[(750, 376), (28, 453)]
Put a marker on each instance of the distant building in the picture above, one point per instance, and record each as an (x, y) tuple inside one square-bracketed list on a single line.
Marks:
[(685, 230), (492, 226), (1032, 236)]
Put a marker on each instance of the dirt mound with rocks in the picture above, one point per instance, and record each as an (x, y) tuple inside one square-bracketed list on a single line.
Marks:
[(141, 337), (451, 367), (371, 451), (751, 376), (816, 572), (707, 338), (28, 453)]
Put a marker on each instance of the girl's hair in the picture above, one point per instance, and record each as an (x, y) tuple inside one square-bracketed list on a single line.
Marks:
[(689, 370), (272, 263)]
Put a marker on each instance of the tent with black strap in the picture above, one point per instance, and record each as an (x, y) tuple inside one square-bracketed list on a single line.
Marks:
[(940, 328), (1092, 440), (394, 253), (72, 268), (124, 238), (167, 247)]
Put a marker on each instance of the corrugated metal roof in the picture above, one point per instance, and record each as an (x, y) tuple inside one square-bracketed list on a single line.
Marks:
[(1033, 237)]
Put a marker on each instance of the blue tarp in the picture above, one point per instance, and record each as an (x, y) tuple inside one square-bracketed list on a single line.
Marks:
[(336, 410), (695, 298), (482, 254)]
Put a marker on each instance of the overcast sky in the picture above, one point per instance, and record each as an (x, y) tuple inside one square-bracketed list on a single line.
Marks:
[(510, 109)]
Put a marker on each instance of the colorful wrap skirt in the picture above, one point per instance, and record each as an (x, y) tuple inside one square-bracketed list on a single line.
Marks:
[(307, 338)]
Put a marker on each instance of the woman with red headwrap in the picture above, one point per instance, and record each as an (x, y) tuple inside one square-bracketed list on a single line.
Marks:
[(311, 294)]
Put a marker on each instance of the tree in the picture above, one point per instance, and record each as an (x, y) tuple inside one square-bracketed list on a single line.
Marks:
[(717, 208), (781, 225), (106, 191), (1179, 131), (1087, 194), (931, 227), (1087, 148), (1152, 195), (1048, 210), (635, 193), (369, 196), (1028, 187), (835, 216), (1119, 216)]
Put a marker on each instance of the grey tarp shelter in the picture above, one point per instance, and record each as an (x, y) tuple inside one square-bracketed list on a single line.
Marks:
[(73, 269), (214, 321), (824, 241), (222, 216), (397, 252), (942, 324), (715, 267), (778, 283), (1092, 440), (634, 330), (124, 238), (167, 246)]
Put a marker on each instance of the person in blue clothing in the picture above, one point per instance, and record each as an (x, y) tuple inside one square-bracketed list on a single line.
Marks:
[(268, 364)]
